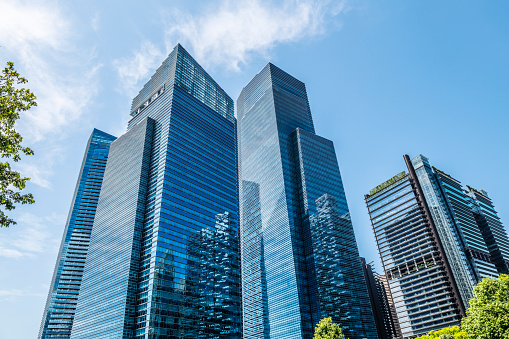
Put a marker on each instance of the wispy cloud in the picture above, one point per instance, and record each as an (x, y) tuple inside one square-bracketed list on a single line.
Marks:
[(96, 22), (40, 168), (10, 253), (41, 38), (137, 67), (61, 99), (13, 294), (33, 237), (19, 293), (43, 42), (229, 33), (31, 24), (235, 31)]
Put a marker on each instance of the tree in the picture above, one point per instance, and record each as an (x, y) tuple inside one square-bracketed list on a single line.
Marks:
[(326, 329), (453, 332), (13, 101), (488, 314)]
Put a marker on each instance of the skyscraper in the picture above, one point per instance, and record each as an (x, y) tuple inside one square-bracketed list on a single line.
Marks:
[(382, 304), (491, 228), (433, 244), (163, 260), (460, 207), (300, 260), (425, 294), (58, 315)]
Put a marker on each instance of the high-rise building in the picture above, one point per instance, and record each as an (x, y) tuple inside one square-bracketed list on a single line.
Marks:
[(433, 244), (491, 228), (163, 259), (459, 206), (380, 297), (300, 260), (58, 315), (425, 294)]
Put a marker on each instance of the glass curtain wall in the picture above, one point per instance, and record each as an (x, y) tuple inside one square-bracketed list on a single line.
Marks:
[(294, 271), (65, 286), (188, 209)]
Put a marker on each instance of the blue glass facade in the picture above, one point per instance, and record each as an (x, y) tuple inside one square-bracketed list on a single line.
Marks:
[(107, 301), (300, 261), (446, 228), (459, 205), (166, 261), (337, 287), (57, 320), (255, 310), (476, 227)]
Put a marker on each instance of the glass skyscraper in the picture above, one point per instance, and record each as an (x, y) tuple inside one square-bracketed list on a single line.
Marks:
[(58, 315), (435, 242), (444, 224), (460, 208), (300, 260), (491, 228), (164, 253)]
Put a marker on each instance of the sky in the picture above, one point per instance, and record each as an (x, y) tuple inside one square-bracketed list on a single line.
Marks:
[(384, 79)]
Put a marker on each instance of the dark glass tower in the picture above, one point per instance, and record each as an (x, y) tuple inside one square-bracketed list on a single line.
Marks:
[(164, 251), (382, 303), (58, 315), (300, 260), (491, 227)]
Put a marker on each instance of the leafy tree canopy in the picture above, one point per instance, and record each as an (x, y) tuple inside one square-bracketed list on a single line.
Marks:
[(453, 332), (13, 101), (326, 329), (488, 314)]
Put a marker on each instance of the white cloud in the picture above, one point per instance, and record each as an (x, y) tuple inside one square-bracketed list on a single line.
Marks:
[(19, 293), (229, 33), (61, 99), (11, 253), (40, 167), (33, 236), (29, 24), (39, 36), (138, 66), (96, 22), (13, 294), (43, 42), (235, 31)]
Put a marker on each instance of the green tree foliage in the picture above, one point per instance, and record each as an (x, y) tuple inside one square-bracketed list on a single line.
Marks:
[(488, 314), (453, 332), (326, 329), (13, 101)]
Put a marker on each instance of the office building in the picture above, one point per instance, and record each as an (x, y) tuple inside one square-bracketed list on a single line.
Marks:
[(432, 245), (300, 260), (459, 206), (491, 228), (384, 312), (163, 260), (58, 314)]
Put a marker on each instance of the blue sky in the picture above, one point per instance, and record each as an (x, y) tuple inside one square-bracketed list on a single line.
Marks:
[(384, 78)]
